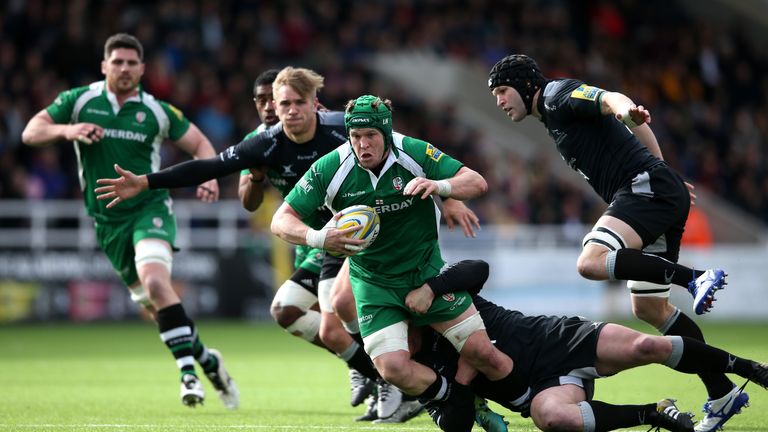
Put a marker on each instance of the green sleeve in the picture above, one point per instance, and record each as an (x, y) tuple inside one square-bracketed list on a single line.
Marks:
[(436, 164), (178, 123), (61, 108)]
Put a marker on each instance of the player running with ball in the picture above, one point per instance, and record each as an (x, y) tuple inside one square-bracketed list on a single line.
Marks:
[(398, 176)]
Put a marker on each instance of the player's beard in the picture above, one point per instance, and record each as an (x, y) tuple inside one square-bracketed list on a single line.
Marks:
[(125, 84)]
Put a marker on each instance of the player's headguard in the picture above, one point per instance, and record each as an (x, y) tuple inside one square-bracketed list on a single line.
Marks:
[(369, 112), (519, 72)]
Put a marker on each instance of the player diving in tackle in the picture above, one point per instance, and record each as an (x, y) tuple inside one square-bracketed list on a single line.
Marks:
[(559, 358)]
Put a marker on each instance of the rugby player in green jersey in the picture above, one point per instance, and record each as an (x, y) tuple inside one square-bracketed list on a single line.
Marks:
[(398, 176), (115, 120)]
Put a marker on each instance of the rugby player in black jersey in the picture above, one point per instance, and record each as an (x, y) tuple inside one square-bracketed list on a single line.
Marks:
[(605, 137), (558, 358)]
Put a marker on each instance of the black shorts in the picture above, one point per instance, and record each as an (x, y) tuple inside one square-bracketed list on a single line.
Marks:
[(656, 206), (568, 349), (331, 266), (561, 350)]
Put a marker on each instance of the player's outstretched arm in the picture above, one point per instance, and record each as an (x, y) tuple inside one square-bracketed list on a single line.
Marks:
[(127, 186)]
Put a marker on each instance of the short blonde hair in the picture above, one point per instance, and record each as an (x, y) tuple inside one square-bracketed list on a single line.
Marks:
[(305, 82)]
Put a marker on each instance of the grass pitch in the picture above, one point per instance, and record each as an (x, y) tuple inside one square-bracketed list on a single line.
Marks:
[(119, 377)]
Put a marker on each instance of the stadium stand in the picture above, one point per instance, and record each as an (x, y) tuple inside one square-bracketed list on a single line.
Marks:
[(704, 81)]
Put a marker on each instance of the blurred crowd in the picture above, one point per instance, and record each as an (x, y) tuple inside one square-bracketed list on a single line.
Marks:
[(705, 84)]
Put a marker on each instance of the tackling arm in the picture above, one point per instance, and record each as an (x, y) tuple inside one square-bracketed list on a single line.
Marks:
[(467, 275)]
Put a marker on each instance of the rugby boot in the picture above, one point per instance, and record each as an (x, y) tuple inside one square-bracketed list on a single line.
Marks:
[(703, 289), (668, 417), (192, 392), (223, 383), (361, 387), (719, 411)]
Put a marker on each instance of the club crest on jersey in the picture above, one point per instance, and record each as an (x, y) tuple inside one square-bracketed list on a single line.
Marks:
[(397, 183), (157, 222), (140, 116), (449, 297), (434, 153)]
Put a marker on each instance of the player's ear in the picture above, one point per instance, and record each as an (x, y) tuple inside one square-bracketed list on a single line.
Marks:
[(104, 67)]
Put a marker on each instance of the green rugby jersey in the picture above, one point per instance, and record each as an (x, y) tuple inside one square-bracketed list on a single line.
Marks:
[(132, 138), (407, 241)]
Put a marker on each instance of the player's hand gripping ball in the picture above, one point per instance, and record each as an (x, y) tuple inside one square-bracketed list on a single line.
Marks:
[(360, 215)]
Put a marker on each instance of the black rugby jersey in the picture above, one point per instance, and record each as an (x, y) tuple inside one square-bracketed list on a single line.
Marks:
[(599, 147), (285, 161)]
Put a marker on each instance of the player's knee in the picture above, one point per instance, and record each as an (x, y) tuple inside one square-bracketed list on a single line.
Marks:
[(555, 418), (332, 334), (589, 267), (290, 303), (344, 303), (592, 263), (459, 334), (394, 368), (284, 316), (647, 348), (157, 287), (479, 351), (306, 325)]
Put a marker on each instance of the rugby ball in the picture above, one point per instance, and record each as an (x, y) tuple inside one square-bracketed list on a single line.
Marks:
[(360, 215)]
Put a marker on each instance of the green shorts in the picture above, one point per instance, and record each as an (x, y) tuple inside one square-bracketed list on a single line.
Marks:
[(309, 259), (117, 239), (379, 307)]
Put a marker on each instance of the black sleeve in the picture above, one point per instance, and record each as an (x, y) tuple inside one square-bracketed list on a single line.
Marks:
[(194, 172), (467, 275)]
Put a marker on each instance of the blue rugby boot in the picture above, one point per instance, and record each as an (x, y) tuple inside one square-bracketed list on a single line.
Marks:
[(719, 411), (703, 289)]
